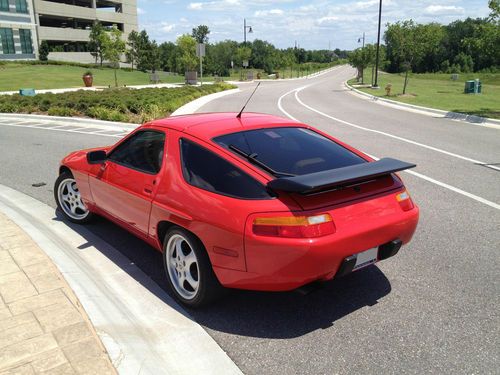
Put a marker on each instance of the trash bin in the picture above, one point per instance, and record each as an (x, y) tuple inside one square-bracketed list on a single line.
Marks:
[(469, 87)]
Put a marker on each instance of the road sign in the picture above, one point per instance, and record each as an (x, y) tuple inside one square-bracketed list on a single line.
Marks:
[(200, 50), (245, 63)]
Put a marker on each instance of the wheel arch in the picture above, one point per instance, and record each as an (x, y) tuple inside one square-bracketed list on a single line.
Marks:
[(63, 169)]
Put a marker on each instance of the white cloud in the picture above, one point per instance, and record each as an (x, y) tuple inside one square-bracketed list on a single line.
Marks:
[(266, 13), (443, 9), (141, 11), (165, 27), (195, 6)]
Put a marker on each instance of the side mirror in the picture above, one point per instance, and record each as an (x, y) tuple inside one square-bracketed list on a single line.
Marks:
[(96, 157)]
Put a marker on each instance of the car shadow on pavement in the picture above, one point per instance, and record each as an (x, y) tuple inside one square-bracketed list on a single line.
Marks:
[(291, 314), (249, 313)]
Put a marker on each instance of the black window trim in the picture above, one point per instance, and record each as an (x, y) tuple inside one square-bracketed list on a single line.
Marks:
[(134, 168), (271, 194)]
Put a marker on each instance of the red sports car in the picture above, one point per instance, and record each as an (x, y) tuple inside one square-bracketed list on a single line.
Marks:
[(252, 202)]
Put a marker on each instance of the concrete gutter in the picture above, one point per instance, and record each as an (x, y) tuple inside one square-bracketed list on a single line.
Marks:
[(143, 329), (462, 117)]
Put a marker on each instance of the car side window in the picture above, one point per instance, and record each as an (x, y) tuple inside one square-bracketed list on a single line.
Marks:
[(143, 151), (204, 169)]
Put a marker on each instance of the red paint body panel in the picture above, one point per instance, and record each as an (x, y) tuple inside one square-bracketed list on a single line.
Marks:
[(139, 202)]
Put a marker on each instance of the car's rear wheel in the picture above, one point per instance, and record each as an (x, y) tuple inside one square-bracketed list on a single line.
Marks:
[(188, 269), (69, 200)]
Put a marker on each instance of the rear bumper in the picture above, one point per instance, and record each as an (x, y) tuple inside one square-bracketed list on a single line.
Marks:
[(286, 264)]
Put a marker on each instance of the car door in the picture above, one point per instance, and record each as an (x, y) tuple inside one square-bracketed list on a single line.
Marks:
[(127, 182)]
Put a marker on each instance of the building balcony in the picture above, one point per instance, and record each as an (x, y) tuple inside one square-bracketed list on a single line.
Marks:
[(63, 34)]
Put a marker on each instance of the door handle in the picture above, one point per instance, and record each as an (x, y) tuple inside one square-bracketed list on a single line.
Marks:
[(148, 189)]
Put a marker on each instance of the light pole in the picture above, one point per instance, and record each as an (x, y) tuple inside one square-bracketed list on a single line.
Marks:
[(375, 85), (362, 39), (245, 27)]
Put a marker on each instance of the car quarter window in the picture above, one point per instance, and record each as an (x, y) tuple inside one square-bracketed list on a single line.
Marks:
[(206, 170), (142, 151)]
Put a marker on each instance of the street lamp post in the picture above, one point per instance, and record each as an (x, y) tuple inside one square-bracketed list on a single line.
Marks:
[(245, 27), (375, 85), (362, 39)]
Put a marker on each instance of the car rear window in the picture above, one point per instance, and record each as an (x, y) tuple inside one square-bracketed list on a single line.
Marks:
[(205, 170), (294, 151)]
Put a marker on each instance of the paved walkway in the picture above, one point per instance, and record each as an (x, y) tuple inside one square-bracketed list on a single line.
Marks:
[(43, 328)]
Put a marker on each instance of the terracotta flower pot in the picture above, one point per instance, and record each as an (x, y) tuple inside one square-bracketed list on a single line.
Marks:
[(87, 80)]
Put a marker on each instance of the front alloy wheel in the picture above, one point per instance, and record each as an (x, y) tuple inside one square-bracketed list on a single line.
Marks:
[(69, 200)]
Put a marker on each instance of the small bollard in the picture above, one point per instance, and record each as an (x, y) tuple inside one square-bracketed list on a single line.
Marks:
[(388, 89)]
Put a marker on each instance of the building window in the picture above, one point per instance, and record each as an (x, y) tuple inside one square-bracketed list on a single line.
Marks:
[(7, 41), (21, 6), (4, 5), (26, 43)]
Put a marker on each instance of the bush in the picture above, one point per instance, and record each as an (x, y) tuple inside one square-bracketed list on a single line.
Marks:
[(61, 111), (120, 105)]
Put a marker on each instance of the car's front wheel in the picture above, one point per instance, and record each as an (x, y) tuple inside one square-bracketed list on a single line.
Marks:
[(69, 200), (188, 269)]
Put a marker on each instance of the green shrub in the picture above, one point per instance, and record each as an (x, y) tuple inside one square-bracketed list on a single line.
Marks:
[(120, 105), (61, 111)]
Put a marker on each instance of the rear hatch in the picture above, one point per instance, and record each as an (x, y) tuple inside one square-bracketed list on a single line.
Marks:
[(314, 169)]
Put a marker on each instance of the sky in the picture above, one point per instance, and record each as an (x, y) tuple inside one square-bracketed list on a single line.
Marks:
[(313, 24)]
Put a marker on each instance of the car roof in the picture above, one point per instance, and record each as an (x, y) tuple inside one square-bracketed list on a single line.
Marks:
[(208, 125)]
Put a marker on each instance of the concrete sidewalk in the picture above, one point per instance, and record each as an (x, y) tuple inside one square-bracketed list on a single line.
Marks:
[(43, 328)]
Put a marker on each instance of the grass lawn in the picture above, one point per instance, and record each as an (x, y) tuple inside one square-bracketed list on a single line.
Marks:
[(440, 92), (16, 76)]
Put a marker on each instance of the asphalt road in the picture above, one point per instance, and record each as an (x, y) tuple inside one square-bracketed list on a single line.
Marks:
[(434, 308)]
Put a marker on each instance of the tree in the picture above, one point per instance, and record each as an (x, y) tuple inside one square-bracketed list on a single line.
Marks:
[(168, 56), (43, 51), (112, 48), (361, 58), (132, 52), (405, 44), (220, 55), (96, 38), (494, 6), (243, 54), (187, 52), (200, 33)]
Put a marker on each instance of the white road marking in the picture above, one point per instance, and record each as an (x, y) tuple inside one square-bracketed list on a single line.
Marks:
[(416, 174), (55, 128), (384, 133)]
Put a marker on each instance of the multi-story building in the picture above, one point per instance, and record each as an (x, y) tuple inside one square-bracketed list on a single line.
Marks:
[(18, 38), (66, 24)]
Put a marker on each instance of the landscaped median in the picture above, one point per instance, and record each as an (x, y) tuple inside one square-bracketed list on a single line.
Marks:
[(120, 105), (439, 91)]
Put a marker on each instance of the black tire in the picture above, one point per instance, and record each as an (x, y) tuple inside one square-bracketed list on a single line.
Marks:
[(209, 288), (79, 216)]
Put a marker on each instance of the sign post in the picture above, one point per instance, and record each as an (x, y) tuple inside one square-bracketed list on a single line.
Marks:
[(200, 52)]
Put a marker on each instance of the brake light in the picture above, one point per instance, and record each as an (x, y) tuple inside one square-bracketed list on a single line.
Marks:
[(405, 201), (294, 226)]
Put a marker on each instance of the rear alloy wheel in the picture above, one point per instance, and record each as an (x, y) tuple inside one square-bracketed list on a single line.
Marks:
[(188, 269), (69, 200)]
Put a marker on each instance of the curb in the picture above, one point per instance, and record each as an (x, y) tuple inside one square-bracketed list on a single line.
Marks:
[(196, 104), (461, 117), (142, 328)]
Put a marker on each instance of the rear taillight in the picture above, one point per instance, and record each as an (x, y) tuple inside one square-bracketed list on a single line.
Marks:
[(294, 226), (405, 201)]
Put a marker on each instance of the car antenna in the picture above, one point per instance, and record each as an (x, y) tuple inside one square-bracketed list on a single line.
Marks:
[(242, 109)]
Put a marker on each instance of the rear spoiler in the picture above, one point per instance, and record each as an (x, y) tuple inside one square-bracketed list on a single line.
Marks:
[(340, 177)]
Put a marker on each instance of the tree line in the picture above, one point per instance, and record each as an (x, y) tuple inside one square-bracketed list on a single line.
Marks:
[(469, 45), (145, 54)]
